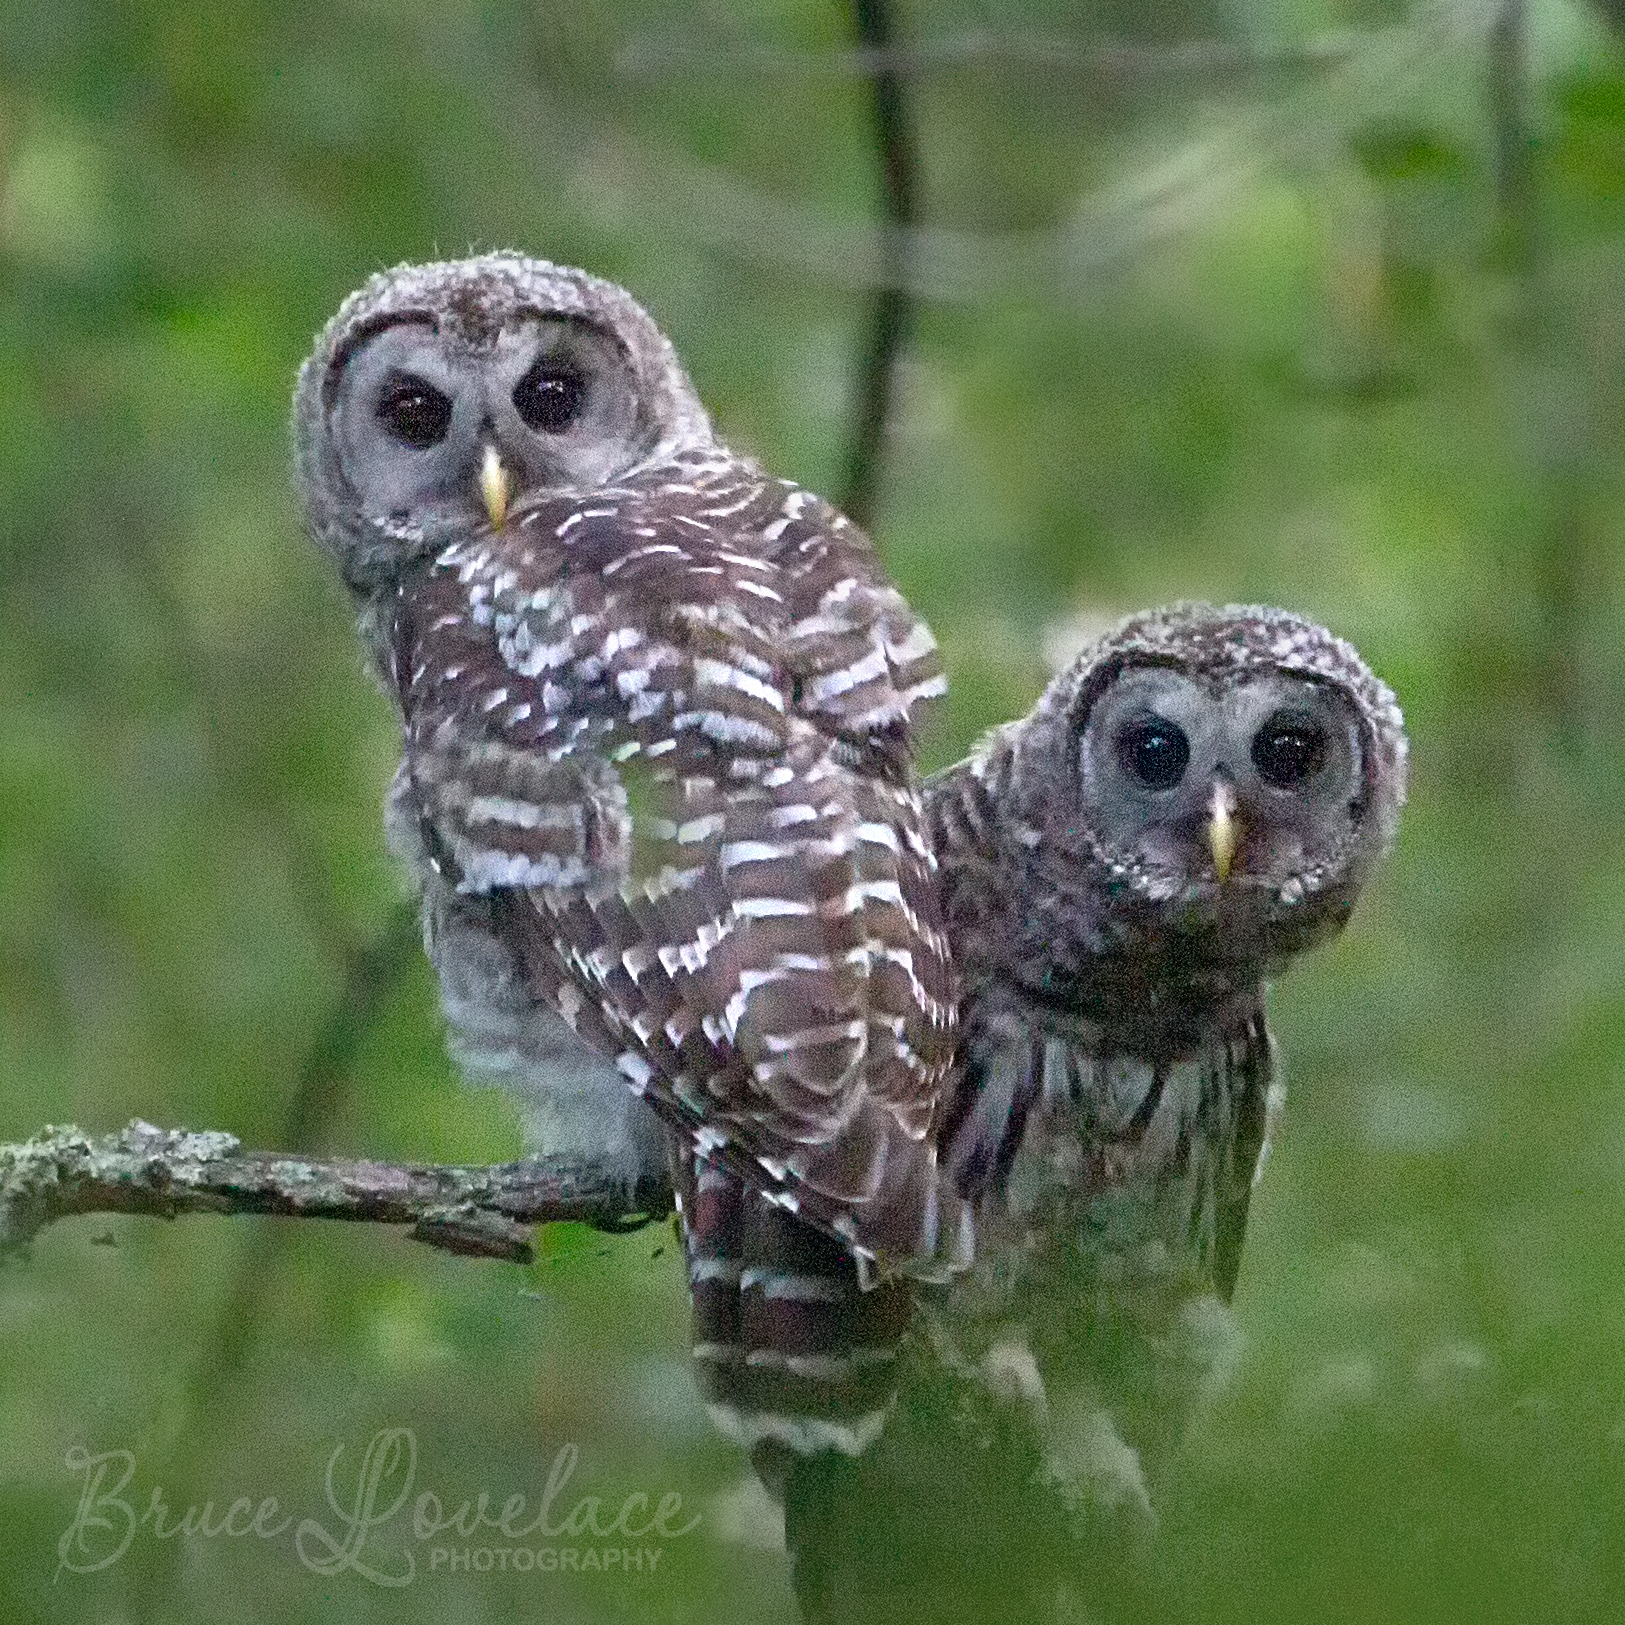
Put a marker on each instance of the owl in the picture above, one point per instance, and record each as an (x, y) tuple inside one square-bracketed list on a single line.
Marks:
[(1196, 801), (657, 778)]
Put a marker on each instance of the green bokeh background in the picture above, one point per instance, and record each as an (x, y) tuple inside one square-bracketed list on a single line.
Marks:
[(1328, 309)]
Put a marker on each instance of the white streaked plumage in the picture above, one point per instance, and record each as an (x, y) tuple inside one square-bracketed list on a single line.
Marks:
[(658, 787)]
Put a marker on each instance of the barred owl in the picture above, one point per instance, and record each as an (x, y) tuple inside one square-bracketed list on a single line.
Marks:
[(657, 778), (1198, 800)]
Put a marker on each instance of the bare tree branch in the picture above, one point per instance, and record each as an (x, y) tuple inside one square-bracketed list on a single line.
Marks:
[(479, 1211)]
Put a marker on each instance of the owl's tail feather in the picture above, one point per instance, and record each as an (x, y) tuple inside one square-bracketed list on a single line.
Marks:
[(793, 1357)]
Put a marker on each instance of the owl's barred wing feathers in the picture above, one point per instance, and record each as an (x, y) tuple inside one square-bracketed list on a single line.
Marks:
[(762, 952)]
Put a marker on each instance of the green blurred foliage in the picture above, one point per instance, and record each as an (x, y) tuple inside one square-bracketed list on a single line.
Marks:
[(1348, 336)]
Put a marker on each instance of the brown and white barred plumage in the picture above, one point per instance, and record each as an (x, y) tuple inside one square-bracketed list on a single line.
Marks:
[(657, 733), (792, 1354), (775, 981), (1114, 1084)]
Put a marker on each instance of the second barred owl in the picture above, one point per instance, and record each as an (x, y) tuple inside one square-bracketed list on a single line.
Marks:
[(657, 777), (1197, 800)]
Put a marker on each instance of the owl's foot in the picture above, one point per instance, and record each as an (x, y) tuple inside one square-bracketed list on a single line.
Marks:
[(1095, 1473), (1087, 1464)]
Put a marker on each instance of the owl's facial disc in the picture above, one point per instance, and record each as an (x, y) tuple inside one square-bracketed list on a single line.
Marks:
[(1200, 786), (438, 427)]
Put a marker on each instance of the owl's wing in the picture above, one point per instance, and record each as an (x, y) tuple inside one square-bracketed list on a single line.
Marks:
[(752, 931), (861, 660)]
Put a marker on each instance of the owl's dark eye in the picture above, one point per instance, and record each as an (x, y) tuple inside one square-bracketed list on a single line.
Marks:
[(1154, 751), (550, 396), (1289, 749), (414, 412)]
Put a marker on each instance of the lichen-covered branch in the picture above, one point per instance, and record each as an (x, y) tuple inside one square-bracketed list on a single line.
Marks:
[(480, 1211)]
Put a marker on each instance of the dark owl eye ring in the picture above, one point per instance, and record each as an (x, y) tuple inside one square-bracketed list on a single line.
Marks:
[(1155, 751), (414, 412), (1289, 749), (550, 396)]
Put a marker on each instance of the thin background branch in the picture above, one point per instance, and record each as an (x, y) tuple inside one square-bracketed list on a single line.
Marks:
[(891, 309), (1507, 93), (660, 58), (373, 969)]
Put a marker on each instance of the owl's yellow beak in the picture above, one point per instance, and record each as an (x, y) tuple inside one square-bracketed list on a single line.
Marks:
[(496, 486), (1223, 831)]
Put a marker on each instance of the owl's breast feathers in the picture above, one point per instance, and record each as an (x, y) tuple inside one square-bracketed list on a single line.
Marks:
[(670, 725), (1096, 1164)]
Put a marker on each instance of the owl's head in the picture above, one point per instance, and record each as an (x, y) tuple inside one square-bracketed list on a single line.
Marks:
[(1238, 756), (440, 395)]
